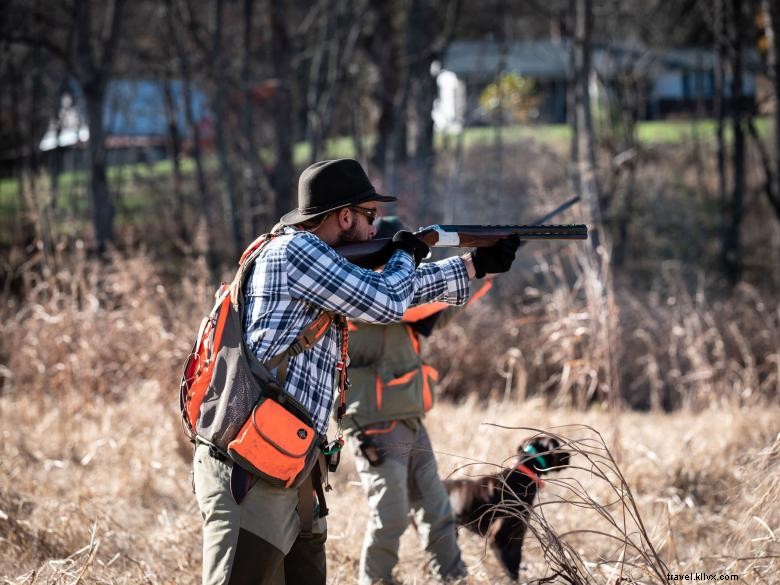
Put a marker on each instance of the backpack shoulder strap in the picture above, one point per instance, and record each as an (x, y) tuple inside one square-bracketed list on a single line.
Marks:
[(245, 264), (307, 338)]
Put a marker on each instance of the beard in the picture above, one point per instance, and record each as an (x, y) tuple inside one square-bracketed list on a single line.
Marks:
[(349, 236)]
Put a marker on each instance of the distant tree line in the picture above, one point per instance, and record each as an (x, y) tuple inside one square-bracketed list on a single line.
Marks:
[(278, 73)]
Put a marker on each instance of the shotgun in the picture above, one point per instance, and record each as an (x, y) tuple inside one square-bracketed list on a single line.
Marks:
[(375, 253)]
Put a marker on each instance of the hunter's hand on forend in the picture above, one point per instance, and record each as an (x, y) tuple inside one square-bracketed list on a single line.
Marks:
[(408, 242), (497, 258)]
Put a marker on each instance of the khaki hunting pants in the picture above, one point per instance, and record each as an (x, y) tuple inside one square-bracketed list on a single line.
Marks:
[(256, 542), (406, 485)]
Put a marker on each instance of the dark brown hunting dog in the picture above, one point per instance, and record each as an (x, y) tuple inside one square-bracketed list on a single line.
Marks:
[(497, 506)]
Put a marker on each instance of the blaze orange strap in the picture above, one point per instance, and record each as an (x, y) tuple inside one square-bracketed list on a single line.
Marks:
[(379, 389), (482, 291), (429, 373), (258, 243), (413, 338), (381, 431), (406, 378), (531, 474), (420, 312)]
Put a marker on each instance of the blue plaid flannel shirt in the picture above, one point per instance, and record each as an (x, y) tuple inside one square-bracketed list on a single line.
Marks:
[(297, 275)]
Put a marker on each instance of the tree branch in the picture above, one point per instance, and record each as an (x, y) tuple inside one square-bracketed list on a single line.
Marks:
[(109, 44), (766, 162)]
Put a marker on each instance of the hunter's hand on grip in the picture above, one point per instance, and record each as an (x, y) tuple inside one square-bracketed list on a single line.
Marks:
[(408, 242), (497, 258)]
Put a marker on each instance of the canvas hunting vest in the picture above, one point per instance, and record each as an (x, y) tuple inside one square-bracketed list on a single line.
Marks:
[(389, 380)]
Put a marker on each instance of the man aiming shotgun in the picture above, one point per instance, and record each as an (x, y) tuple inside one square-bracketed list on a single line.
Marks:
[(271, 358)]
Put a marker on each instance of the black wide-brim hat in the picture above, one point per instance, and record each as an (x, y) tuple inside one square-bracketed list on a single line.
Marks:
[(329, 185)]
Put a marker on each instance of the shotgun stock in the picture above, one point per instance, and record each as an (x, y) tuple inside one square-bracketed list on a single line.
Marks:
[(374, 253)]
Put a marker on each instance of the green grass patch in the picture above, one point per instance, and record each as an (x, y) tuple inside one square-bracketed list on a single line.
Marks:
[(547, 133), (9, 194), (136, 195), (685, 131)]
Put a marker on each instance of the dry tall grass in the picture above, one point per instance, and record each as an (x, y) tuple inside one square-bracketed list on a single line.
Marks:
[(94, 468), (679, 343)]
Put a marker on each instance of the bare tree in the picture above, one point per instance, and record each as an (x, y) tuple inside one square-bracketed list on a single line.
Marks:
[(584, 142), (339, 26), (772, 10), (219, 85), (282, 176), (20, 100), (384, 44), (719, 79), (770, 13), (93, 59), (585, 158), (731, 246), (205, 233), (83, 36), (255, 172), (430, 30)]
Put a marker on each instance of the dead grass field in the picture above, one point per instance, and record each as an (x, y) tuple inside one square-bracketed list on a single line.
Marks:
[(97, 492), (94, 483)]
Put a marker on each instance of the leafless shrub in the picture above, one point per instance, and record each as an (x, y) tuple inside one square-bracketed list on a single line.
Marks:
[(608, 513)]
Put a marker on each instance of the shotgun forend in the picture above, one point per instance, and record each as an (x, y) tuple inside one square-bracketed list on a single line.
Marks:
[(374, 253)]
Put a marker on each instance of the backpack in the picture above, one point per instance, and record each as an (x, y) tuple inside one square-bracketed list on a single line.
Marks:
[(234, 403)]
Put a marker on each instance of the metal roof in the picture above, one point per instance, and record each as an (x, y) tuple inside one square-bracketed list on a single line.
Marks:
[(551, 59)]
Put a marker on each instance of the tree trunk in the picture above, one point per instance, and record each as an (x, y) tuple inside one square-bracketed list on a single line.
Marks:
[(495, 193), (319, 71), (356, 121), (93, 68), (599, 281), (425, 154), (586, 141), (260, 211), (230, 193), (385, 50), (771, 12), (283, 174), (732, 249), (174, 154), (205, 232), (102, 204), (334, 53), (430, 27), (720, 110), (26, 224)]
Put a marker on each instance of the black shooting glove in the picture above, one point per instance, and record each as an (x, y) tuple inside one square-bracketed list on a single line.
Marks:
[(496, 258), (408, 242)]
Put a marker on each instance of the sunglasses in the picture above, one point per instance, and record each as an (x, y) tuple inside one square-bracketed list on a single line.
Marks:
[(369, 214)]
